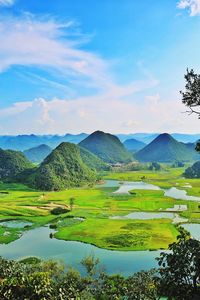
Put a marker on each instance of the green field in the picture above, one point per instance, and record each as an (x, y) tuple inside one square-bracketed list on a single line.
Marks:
[(96, 205)]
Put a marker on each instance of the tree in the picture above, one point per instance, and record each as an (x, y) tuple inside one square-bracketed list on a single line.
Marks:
[(180, 269), (71, 202), (155, 166), (193, 171), (191, 96)]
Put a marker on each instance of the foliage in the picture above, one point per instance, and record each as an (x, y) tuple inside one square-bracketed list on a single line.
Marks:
[(50, 281), (191, 96), (155, 166), (59, 210), (178, 164), (198, 146), (107, 147), (38, 154), (193, 171), (71, 202), (180, 269)]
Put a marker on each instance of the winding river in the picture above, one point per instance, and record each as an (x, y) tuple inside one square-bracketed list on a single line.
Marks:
[(37, 243)]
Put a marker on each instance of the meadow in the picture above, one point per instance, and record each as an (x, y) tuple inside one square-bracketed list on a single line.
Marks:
[(89, 220)]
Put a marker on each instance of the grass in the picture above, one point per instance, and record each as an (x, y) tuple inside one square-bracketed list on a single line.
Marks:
[(122, 234), (96, 205)]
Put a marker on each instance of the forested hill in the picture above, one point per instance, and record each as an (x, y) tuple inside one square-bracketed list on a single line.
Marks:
[(93, 161), (12, 163), (165, 148), (107, 147), (63, 168)]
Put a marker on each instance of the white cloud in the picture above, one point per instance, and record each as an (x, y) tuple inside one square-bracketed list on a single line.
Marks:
[(50, 45), (103, 112), (192, 5), (6, 2)]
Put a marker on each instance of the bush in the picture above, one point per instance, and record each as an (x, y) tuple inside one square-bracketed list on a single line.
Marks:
[(59, 210)]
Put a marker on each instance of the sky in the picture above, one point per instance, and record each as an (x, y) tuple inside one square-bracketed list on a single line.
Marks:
[(113, 65)]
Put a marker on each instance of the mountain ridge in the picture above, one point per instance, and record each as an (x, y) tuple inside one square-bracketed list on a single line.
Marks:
[(164, 148), (107, 147)]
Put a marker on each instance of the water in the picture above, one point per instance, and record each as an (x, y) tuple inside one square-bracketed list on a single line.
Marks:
[(180, 194), (194, 230), (128, 186), (145, 216), (125, 187), (109, 183), (15, 224), (36, 242)]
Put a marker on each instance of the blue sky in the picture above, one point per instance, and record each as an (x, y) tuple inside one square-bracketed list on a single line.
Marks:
[(114, 65)]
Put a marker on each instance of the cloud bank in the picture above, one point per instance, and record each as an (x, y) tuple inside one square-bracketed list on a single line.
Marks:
[(92, 113)]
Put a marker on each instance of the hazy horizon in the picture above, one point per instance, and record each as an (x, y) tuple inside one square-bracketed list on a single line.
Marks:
[(113, 133)]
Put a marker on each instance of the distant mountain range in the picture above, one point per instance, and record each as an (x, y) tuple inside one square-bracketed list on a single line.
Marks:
[(24, 142), (164, 148), (149, 137), (107, 147), (38, 154), (133, 145)]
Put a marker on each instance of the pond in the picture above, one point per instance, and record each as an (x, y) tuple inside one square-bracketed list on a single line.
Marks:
[(125, 187), (180, 194), (145, 216), (36, 242), (15, 224), (150, 216)]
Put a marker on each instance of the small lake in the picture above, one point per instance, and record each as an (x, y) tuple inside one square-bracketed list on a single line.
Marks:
[(36, 242), (15, 224), (126, 186), (145, 216), (180, 194)]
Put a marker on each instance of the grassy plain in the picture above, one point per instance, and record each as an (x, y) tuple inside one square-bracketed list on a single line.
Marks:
[(96, 205)]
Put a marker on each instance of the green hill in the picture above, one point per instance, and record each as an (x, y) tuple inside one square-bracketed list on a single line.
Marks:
[(93, 161), (12, 163), (107, 147), (165, 148), (62, 168), (38, 154), (193, 171), (133, 145)]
